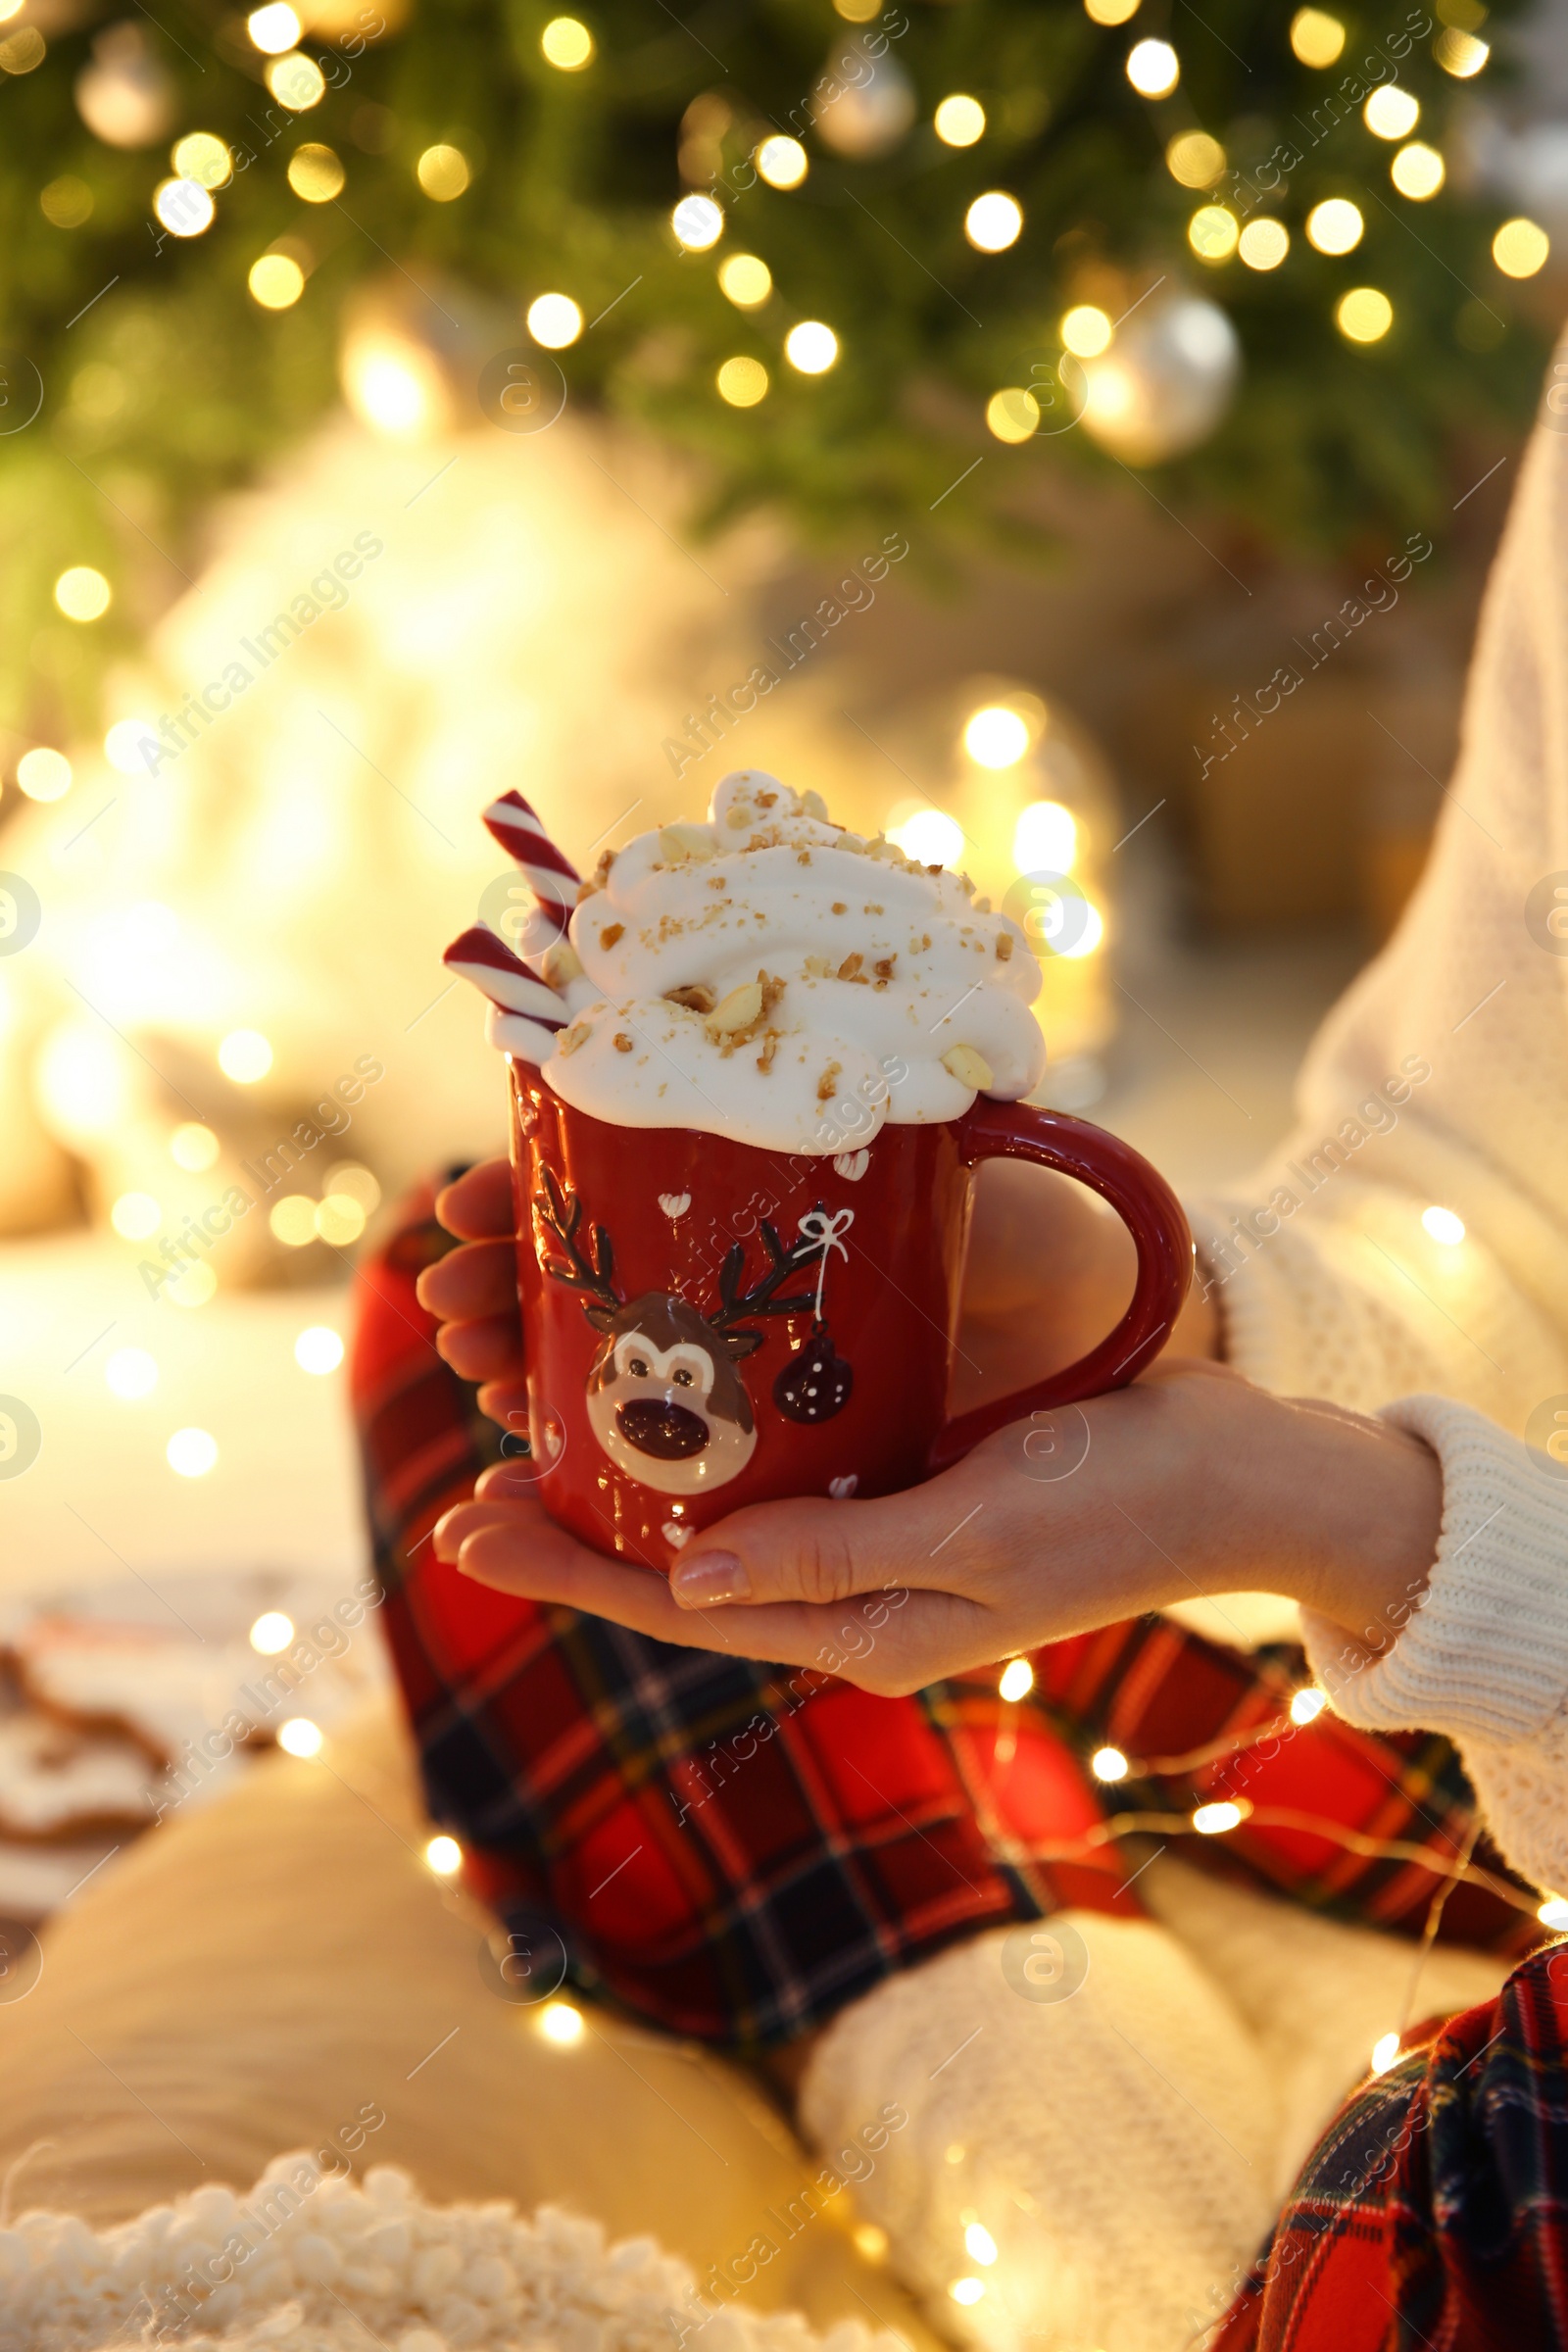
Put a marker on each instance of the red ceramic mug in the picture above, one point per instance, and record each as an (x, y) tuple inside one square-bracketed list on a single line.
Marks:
[(708, 1325)]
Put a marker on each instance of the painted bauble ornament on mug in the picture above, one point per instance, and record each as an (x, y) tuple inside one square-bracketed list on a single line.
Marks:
[(125, 95), (862, 105), (1163, 382)]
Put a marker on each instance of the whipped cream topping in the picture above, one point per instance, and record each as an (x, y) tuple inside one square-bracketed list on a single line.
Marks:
[(771, 977)]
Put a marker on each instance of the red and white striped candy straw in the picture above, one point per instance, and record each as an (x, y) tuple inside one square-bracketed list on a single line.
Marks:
[(550, 875), (525, 1014)]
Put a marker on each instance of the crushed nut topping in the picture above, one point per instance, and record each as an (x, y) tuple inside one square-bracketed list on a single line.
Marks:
[(839, 906), (623, 1044), (577, 1035), (828, 1082), (969, 1067), (698, 998), (611, 933), (1003, 947), (849, 969)]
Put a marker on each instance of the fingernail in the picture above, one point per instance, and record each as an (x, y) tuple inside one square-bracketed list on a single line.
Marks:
[(714, 1576), (445, 1546)]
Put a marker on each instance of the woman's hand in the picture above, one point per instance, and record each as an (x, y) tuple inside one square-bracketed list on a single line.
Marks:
[(1189, 1482)]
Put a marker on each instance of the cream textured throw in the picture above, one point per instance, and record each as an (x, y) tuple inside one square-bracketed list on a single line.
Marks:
[(1347, 1296)]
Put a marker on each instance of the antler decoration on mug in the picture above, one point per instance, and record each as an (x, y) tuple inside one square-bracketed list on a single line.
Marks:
[(761, 1298), (595, 1275)]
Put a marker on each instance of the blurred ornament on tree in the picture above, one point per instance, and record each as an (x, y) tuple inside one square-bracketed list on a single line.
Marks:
[(865, 104), (1163, 381), (125, 96)]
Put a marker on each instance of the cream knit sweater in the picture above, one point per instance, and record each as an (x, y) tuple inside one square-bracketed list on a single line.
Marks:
[(1442, 1080)]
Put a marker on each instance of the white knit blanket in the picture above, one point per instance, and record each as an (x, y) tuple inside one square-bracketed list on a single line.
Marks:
[(311, 2262)]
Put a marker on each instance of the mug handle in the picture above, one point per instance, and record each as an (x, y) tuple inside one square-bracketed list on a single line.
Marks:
[(1152, 1215)]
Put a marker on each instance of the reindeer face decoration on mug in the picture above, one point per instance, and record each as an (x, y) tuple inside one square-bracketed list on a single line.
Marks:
[(664, 1399)]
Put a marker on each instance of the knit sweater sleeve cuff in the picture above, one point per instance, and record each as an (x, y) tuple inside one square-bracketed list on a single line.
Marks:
[(1484, 1654)]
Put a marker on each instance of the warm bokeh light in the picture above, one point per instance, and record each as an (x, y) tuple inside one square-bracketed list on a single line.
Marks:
[(296, 81), (1418, 171), (698, 223), (358, 1184), (193, 1285), (203, 157), (443, 1855), (184, 209), (272, 1633), (300, 1736), (1044, 838), (81, 593), (276, 281), (130, 746), (1086, 331), (559, 2022), (292, 1221), (1214, 233), (339, 1220), (1213, 1821), (1013, 413), (1017, 1679), (1154, 69), (315, 172), (1109, 1764), (783, 162), (960, 121), (67, 201), (1308, 1704), (137, 1217), (1392, 112), (743, 382), (746, 281), (392, 384), (869, 2241), (979, 2244), (443, 172), (1460, 53), (44, 774), (554, 321), (996, 736), (1385, 2050), (567, 45), (1334, 225), (1364, 315), (812, 347), (193, 1147), (993, 222), (1444, 1226), (191, 1453), (1263, 244), (1520, 247), (1195, 160), (1109, 12), (966, 2291), (275, 28), (930, 836), (1316, 37), (130, 1374), (1553, 1912), (245, 1055), (318, 1349)]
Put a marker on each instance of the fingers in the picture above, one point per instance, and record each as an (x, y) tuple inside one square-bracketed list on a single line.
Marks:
[(480, 1279), (824, 1554), (514, 1547), (507, 1401), (478, 1207), (491, 1351)]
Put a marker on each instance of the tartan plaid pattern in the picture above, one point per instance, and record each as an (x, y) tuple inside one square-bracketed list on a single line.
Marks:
[(1435, 2209), (735, 1850)]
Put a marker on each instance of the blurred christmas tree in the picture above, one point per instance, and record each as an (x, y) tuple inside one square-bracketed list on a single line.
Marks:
[(844, 257)]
